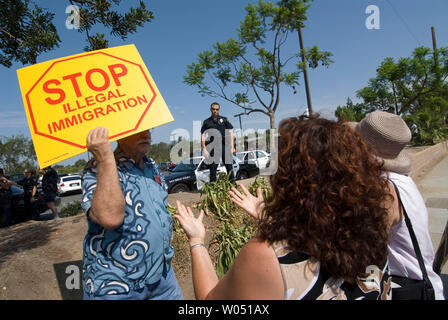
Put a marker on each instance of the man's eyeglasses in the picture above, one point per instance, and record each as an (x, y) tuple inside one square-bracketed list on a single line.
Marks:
[(213, 109)]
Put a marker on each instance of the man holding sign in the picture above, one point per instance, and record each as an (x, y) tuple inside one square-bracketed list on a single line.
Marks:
[(127, 249)]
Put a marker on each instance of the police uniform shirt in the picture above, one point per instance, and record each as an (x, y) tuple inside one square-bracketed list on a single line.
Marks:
[(28, 184), (219, 123)]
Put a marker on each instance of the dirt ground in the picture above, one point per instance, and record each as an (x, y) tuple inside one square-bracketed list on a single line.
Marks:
[(31, 252)]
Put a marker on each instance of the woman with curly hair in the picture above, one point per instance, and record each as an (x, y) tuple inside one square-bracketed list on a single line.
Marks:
[(323, 233)]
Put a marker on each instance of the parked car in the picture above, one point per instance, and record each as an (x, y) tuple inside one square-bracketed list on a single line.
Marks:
[(69, 184), (18, 206), (183, 178), (191, 173), (167, 166), (16, 177), (258, 157)]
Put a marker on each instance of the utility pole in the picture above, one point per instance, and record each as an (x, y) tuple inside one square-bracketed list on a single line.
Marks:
[(241, 127), (305, 72), (434, 42), (239, 117), (436, 60)]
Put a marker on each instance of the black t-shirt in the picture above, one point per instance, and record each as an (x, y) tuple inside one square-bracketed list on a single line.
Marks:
[(50, 181), (28, 184), (219, 123)]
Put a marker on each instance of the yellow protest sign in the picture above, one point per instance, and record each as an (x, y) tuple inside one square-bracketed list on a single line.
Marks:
[(65, 98)]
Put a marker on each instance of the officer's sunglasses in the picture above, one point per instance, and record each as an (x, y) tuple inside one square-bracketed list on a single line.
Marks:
[(215, 109)]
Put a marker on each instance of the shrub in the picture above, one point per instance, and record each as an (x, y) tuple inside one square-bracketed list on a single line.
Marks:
[(72, 209)]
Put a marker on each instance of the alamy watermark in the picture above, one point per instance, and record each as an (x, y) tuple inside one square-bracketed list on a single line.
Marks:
[(72, 21), (373, 20), (186, 145), (69, 278)]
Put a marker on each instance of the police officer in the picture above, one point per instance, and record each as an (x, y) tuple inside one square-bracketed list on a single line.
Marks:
[(5, 199), (50, 187), (215, 150), (29, 184)]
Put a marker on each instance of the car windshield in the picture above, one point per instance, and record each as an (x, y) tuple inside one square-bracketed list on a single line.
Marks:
[(240, 156), (71, 178), (186, 165)]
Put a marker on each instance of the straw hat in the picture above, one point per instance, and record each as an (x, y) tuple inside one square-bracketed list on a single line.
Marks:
[(389, 134)]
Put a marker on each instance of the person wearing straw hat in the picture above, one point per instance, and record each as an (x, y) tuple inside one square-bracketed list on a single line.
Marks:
[(389, 135)]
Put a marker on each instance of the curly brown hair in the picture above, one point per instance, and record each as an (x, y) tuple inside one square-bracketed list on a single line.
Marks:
[(328, 197)]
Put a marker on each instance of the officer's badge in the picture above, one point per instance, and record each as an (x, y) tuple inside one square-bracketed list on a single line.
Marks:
[(221, 121)]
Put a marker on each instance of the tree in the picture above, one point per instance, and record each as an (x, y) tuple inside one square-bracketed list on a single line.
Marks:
[(430, 121), (27, 30), (351, 112), (80, 163), (401, 86), (101, 12), (16, 154), (160, 152), (250, 71)]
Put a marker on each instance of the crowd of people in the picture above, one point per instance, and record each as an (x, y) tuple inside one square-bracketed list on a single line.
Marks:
[(29, 184), (345, 220)]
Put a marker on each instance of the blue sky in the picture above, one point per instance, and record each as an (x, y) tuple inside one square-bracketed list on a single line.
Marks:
[(181, 29)]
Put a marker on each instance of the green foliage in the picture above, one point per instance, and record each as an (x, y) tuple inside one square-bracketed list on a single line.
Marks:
[(76, 168), (230, 239), (27, 30), (216, 198), (17, 154), (250, 71), (236, 227), (71, 209), (400, 85), (176, 225), (102, 12), (260, 182), (430, 121), (414, 87), (351, 112), (160, 152)]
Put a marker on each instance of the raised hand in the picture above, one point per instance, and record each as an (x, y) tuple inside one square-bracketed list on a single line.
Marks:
[(193, 227), (252, 205), (98, 144)]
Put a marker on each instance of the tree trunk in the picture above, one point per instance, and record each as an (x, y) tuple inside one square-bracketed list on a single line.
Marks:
[(272, 120)]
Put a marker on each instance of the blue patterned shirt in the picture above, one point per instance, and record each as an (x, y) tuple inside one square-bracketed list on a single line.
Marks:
[(139, 251)]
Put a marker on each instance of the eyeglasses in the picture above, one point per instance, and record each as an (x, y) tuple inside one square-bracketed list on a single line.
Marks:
[(213, 109)]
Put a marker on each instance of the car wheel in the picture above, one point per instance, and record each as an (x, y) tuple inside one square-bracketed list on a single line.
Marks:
[(241, 175), (180, 187)]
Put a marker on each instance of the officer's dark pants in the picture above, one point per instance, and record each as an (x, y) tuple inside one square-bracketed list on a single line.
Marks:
[(5, 203), (214, 166), (31, 209)]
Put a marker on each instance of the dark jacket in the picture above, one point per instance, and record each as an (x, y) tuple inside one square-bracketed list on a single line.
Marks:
[(50, 181)]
